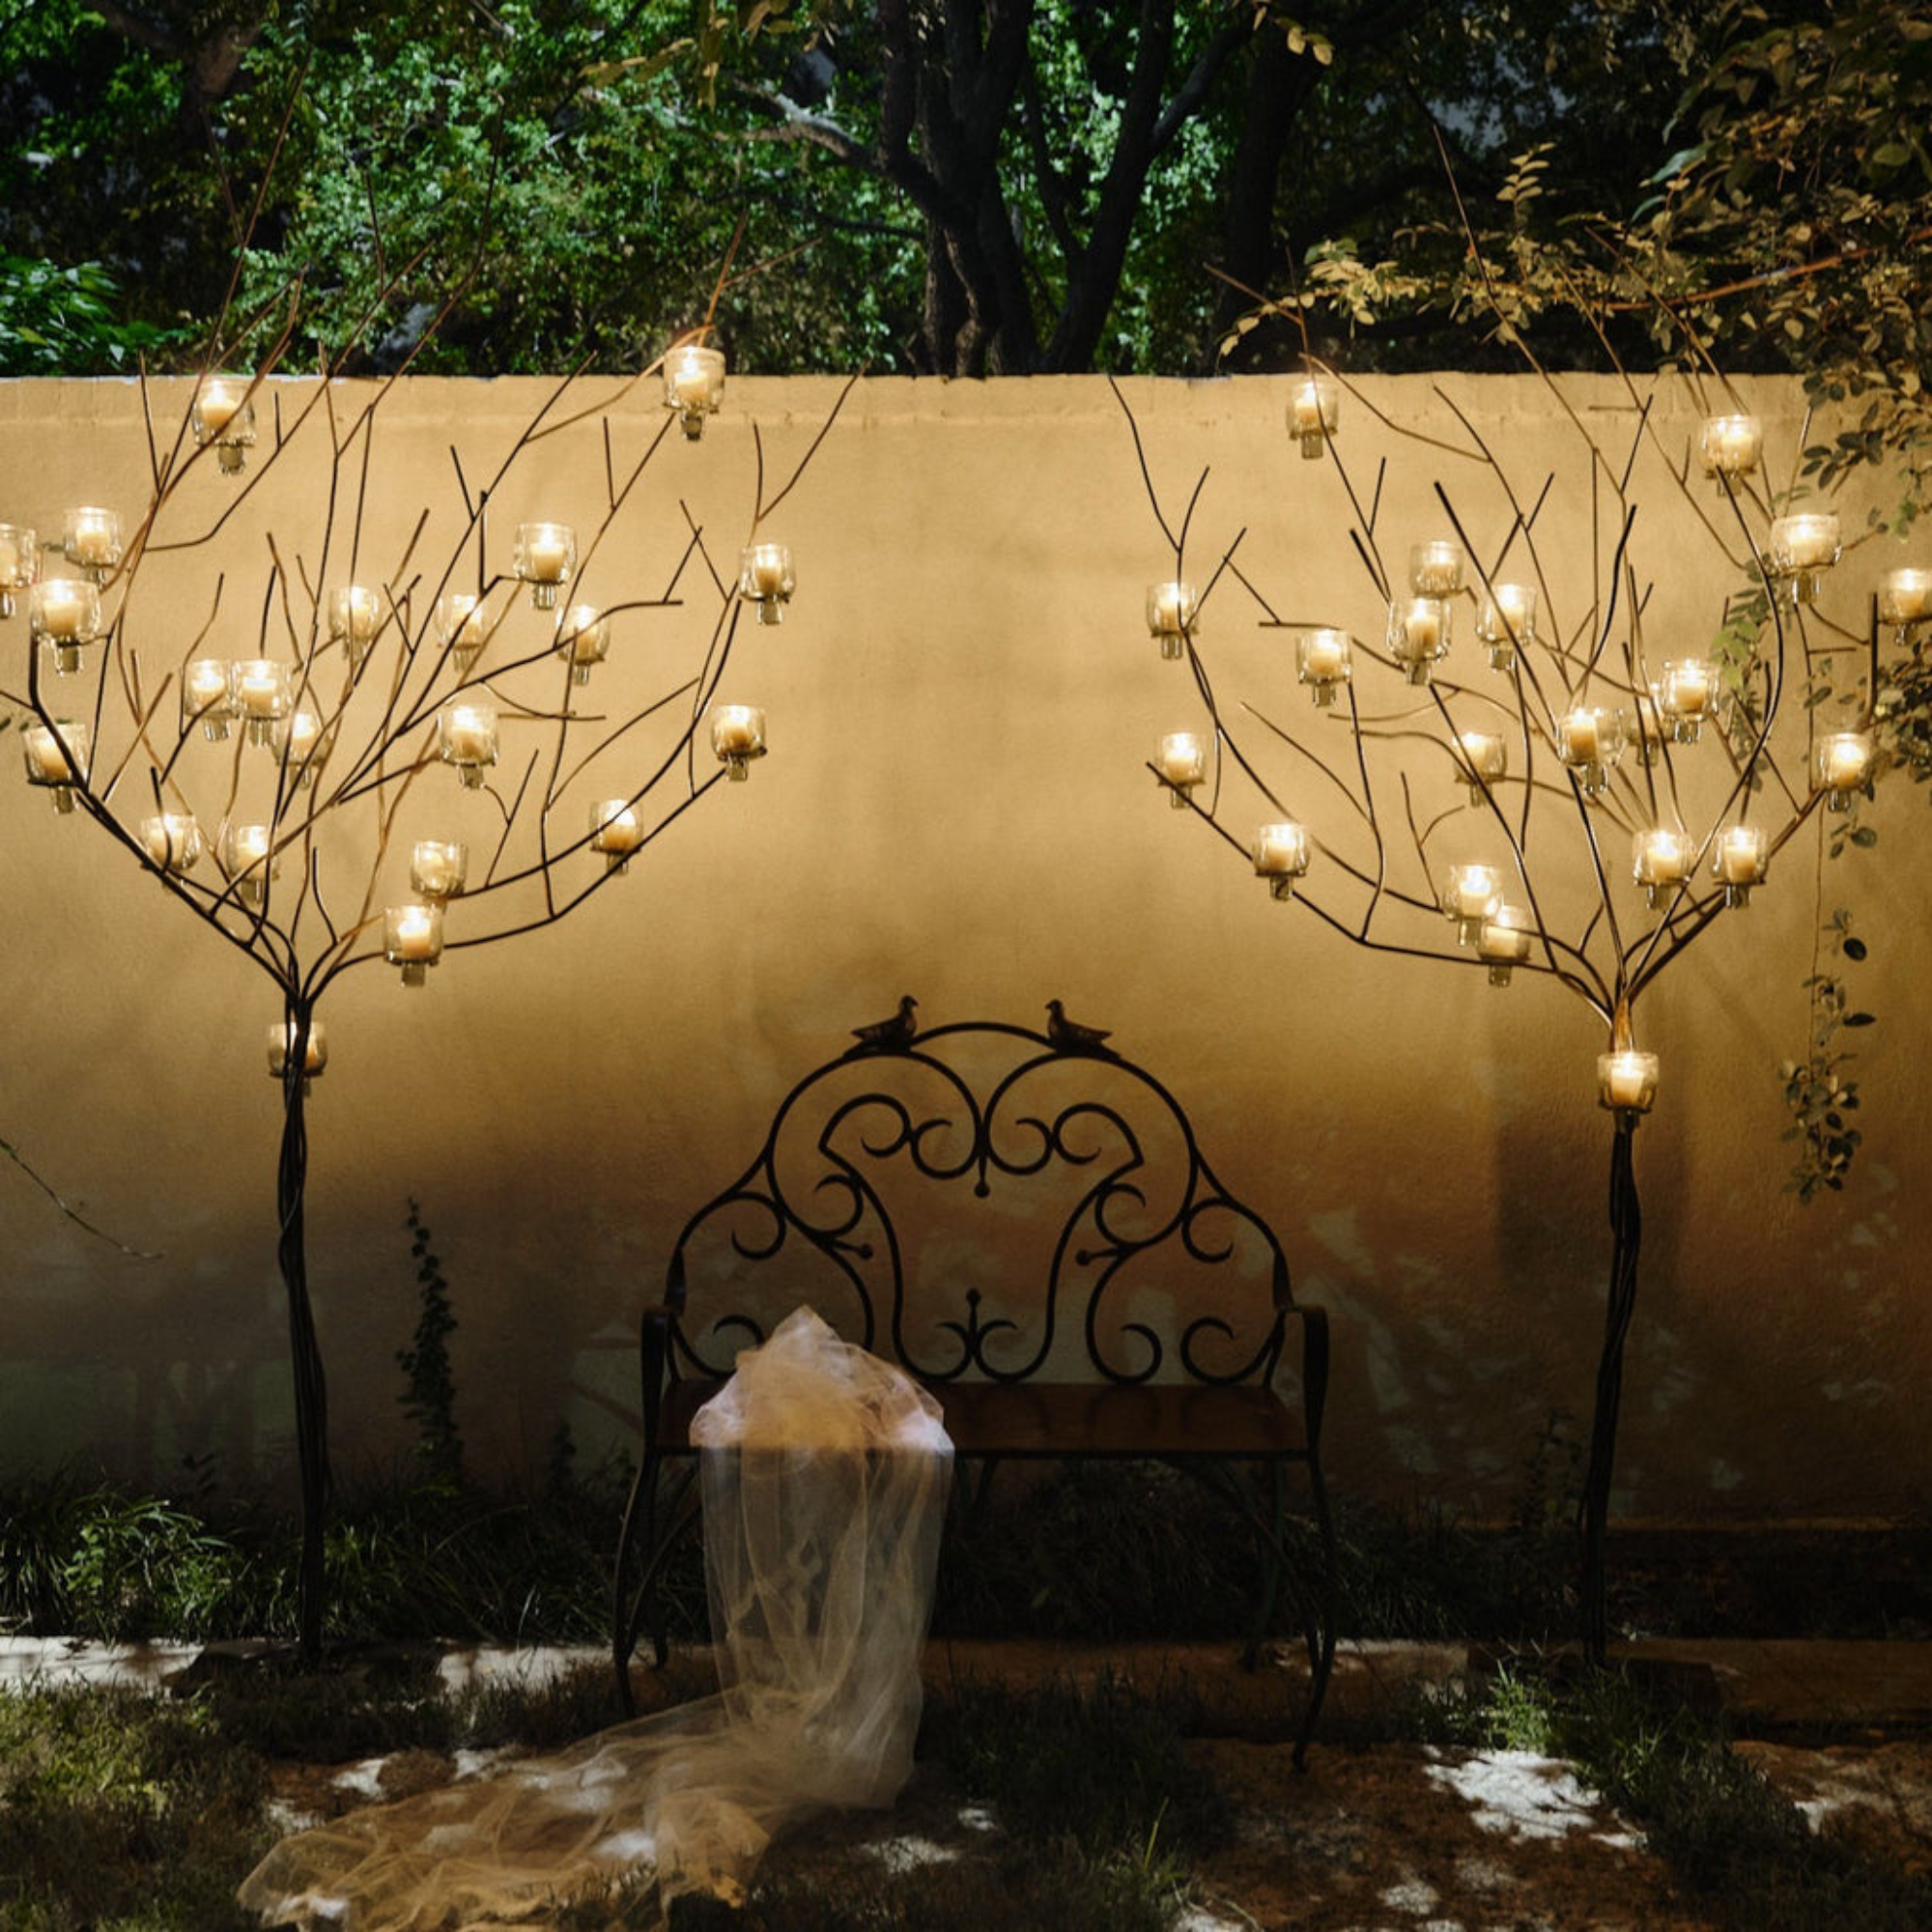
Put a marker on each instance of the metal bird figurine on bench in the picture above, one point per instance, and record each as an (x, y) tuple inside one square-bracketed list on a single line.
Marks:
[(1067, 1036), (893, 1036)]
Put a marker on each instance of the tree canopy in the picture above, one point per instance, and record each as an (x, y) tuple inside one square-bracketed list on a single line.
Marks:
[(958, 186)]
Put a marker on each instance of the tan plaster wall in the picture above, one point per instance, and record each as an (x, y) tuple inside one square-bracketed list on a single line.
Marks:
[(961, 704)]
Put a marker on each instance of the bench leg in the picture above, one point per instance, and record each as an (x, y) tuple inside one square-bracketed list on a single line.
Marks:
[(640, 1532)]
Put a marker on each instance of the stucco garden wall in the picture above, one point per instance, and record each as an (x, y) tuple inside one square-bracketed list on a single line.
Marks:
[(961, 703)]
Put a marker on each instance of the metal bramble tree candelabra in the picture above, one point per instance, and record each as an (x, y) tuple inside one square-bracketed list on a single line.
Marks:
[(381, 758), (1565, 800)]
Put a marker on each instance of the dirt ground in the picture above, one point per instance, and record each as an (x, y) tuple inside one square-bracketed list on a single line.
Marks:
[(1371, 1837)]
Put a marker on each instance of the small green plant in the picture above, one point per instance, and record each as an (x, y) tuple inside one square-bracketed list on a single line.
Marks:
[(429, 1392)]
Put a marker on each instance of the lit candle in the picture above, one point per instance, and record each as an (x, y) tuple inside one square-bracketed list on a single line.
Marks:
[(461, 625), (1729, 447), (214, 405), (1436, 569), (738, 736), (466, 738), (1418, 633), (1688, 683), (584, 639), (766, 578), (56, 758), (412, 939), (1182, 761), (1844, 762), (545, 555), (1582, 735), (615, 831), (1169, 616), (303, 742), (694, 380), (64, 611), (282, 1037), (19, 562), (248, 857), (1803, 547), (1281, 856), (93, 538), (206, 699), (260, 688), (1314, 406), (1505, 619), (1322, 660), (47, 759), (1627, 1081), (1486, 758), (172, 839), (1470, 895), (1738, 861), (354, 612), (1905, 597), (1505, 941), (1661, 857), (438, 867)]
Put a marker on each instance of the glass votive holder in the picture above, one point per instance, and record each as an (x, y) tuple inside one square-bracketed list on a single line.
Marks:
[(1684, 695), (412, 938), (302, 744), (1904, 601), (584, 637), (223, 415), (90, 540), (1419, 635), (1324, 660), (1842, 765), (545, 557), (1740, 857), (465, 737), (462, 627), (1469, 895), (262, 694), (1590, 739), (65, 614), (1803, 547), (737, 737), (694, 384), (172, 840), (19, 562), (1436, 569), (438, 867), (315, 1054), (1661, 861), (1172, 617), (57, 757), (1627, 1081), (1313, 408), (615, 831), (248, 855), (1281, 856), (1484, 760), (1503, 942), (354, 615), (1506, 623), (1183, 763), (207, 697), (1728, 448), (767, 578)]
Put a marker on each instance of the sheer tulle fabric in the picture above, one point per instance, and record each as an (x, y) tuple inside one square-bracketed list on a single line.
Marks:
[(824, 1474)]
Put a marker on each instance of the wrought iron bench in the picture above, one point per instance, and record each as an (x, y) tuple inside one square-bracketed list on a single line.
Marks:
[(1048, 1139)]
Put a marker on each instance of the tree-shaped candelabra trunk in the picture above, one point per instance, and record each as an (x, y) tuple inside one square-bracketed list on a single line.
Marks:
[(311, 1389), (1626, 1238)]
